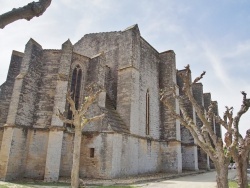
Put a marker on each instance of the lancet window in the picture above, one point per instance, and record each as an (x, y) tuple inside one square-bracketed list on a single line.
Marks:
[(147, 112), (75, 88)]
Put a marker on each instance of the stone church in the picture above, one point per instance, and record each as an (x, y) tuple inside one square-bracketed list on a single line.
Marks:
[(137, 134)]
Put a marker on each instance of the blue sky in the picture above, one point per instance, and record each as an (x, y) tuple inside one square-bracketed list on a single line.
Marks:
[(209, 35)]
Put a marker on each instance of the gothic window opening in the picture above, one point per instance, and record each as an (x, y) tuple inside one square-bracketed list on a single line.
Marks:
[(147, 113), (75, 88)]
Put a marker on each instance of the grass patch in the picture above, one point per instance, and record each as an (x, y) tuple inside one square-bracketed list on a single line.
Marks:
[(3, 186), (233, 184)]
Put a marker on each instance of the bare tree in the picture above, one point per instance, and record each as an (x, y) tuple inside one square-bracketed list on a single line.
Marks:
[(31, 10), (79, 120), (205, 136), (237, 145)]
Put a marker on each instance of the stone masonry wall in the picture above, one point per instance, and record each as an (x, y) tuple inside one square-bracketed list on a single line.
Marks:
[(21, 113), (149, 80), (7, 87), (31, 70), (186, 136), (170, 128), (67, 155), (36, 153), (189, 157), (100, 165), (95, 166), (13, 153), (136, 155), (217, 127), (197, 90), (47, 86), (119, 155), (171, 157), (189, 149), (108, 43), (207, 100), (128, 89)]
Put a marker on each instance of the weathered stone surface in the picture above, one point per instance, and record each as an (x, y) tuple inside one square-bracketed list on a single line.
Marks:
[(170, 128), (36, 154), (53, 158), (203, 160), (7, 87), (189, 157), (13, 153)]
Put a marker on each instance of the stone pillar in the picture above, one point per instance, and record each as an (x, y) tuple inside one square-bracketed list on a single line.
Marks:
[(128, 78), (170, 127), (53, 158), (21, 114)]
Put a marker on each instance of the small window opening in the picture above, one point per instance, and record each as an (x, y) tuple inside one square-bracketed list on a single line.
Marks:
[(92, 153), (147, 113)]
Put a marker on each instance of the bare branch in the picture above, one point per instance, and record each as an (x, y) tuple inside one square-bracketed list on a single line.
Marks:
[(199, 78), (199, 110), (244, 108), (71, 103), (63, 118), (34, 9), (88, 102), (96, 118), (85, 120)]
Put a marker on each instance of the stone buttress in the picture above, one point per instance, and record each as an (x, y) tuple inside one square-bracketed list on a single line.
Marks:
[(189, 147), (21, 113), (53, 157), (203, 158), (170, 128)]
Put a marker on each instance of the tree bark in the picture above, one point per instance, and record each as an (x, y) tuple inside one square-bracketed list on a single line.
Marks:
[(76, 157), (222, 175), (241, 167), (34, 9)]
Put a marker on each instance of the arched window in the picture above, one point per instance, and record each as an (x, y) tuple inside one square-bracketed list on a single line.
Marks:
[(75, 88), (147, 112)]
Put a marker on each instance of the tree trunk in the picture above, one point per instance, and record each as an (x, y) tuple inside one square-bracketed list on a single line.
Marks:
[(76, 158), (241, 166), (222, 175)]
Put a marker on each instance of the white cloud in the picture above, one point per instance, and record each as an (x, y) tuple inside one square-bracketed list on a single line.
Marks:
[(217, 65)]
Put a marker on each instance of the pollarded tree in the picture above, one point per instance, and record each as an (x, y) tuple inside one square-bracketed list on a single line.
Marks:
[(204, 136), (241, 159), (235, 143), (79, 119), (31, 10)]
